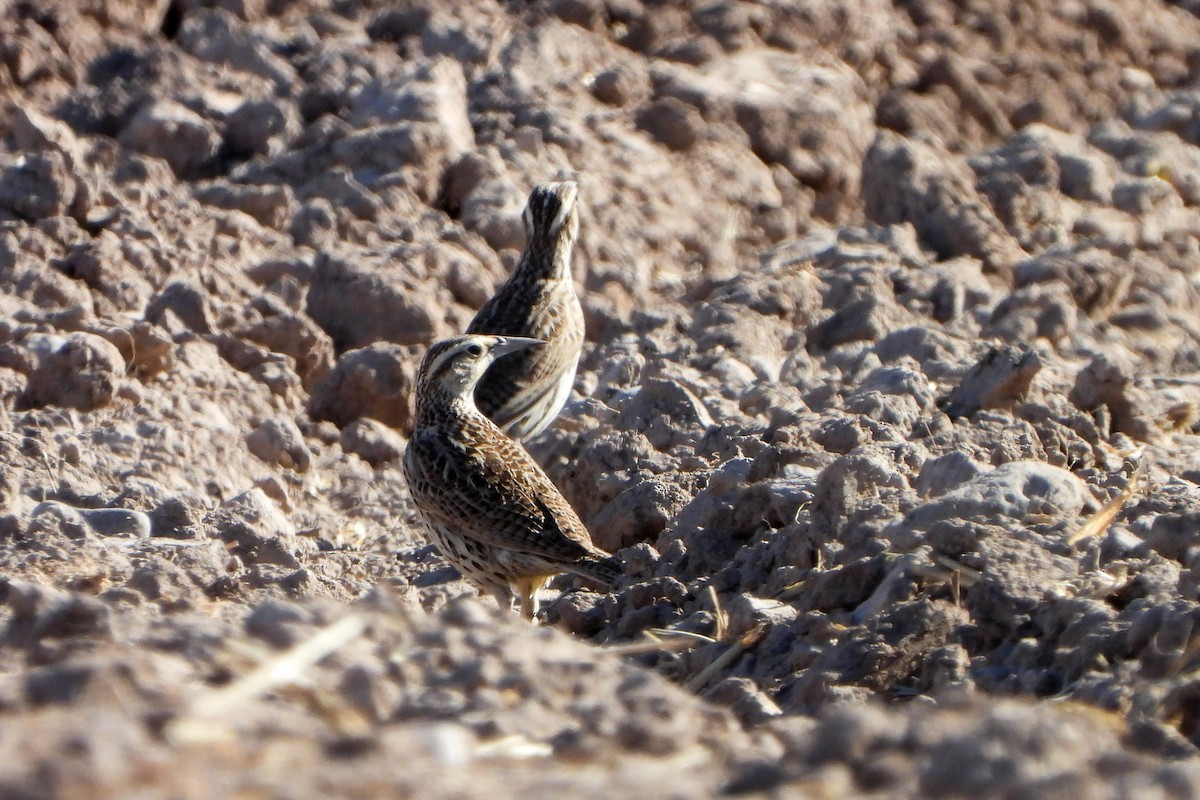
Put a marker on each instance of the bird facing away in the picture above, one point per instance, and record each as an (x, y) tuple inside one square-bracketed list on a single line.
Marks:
[(489, 507), (525, 391)]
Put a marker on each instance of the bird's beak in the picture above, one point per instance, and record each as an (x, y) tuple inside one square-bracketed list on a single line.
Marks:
[(511, 344)]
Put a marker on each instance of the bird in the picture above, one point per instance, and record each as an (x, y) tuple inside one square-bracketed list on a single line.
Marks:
[(490, 509), (525, 391)]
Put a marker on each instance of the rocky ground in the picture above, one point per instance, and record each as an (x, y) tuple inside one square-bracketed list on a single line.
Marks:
[(890, 401)]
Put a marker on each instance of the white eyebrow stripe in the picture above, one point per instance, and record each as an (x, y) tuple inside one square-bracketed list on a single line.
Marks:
[(440, 361), (560, 219)]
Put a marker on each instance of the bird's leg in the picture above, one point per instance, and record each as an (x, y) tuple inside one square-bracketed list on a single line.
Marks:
[(504, 598), (527, 589)]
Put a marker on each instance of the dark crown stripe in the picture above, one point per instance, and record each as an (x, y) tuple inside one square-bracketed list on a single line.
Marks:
[(440, 358)]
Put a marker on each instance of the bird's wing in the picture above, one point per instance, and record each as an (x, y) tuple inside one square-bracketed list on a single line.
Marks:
[(497, 496)]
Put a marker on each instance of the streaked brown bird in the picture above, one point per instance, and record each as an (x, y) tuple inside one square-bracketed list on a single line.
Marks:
[(490, 508), (523, 392)]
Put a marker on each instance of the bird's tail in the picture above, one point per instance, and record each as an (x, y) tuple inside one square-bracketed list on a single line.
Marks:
[(602, 571)]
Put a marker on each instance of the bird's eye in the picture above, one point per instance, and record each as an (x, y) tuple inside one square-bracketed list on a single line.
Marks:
[(475, 350)]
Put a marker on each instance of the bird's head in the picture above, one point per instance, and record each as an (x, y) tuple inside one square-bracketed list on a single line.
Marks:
[(456, 365), (551, 216)]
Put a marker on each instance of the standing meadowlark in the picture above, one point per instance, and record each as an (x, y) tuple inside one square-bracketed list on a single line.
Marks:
[(490, 509), (523, 392)]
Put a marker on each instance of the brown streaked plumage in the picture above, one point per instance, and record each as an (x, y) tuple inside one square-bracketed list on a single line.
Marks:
[(490, 508), (522, 393)]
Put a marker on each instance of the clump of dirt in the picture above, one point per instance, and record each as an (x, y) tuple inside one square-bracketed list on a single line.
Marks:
[(889, 400)]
